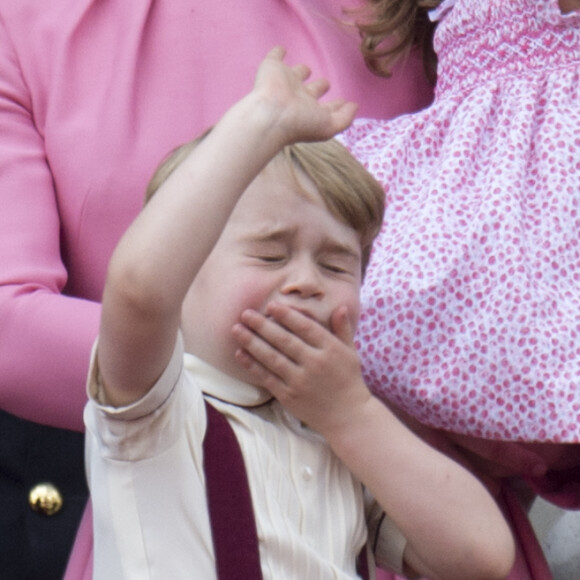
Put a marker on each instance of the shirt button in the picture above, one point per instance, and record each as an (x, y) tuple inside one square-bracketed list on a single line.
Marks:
[(45, 499), (306, 473)]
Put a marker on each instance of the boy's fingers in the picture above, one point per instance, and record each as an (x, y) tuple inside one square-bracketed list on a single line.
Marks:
[(262, 376), (273, 335), (265, 344), (301, 71), (278, 52), (343, 107), (298, 324), (250, 363), (269, 367), (341, 326), (318, 88), (344, 114)]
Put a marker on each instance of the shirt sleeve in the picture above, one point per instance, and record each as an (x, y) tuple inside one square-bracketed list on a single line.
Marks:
[(45, 336), (149, 426), (385, 540)]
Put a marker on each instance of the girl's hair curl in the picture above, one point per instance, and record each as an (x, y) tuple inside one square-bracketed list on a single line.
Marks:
[(390, 29)]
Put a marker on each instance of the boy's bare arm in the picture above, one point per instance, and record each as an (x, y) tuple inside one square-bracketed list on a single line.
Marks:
[(453, 526), (157, 259)]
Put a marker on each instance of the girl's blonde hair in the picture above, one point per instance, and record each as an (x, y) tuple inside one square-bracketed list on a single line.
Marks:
[(347, 189), (391, 28)]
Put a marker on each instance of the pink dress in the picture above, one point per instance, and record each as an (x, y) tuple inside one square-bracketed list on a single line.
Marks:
[(471, 304)]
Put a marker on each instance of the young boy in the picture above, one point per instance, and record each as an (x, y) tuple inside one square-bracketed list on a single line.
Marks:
[(249, 258)]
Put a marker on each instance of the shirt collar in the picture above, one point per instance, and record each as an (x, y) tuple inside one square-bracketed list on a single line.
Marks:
[(221, 386)]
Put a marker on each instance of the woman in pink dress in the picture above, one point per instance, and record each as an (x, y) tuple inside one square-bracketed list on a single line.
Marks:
[(92, 95), (471, 305)]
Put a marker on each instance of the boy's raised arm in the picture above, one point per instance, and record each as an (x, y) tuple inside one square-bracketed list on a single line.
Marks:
[(157, 259)]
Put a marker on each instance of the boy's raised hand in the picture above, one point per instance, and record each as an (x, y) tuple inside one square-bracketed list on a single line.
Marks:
[(313, 372), (293, 103)]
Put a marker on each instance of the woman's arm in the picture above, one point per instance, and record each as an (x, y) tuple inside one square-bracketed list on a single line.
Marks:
[(45, 337)]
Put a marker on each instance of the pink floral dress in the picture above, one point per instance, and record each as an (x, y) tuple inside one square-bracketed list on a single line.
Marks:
[(471, 304)]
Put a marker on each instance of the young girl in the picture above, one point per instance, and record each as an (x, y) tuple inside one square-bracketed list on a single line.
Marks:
[(471, 307)]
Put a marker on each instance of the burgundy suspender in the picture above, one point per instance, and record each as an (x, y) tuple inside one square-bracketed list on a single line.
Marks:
[(233, 526), (362, 564)]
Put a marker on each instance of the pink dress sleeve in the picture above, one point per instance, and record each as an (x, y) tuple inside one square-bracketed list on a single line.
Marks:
[(45, 336)]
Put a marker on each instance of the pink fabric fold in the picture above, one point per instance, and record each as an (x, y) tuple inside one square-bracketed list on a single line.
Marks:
[(80, 564)]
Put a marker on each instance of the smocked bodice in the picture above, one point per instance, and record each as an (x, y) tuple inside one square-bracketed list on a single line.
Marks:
[(482, 41)]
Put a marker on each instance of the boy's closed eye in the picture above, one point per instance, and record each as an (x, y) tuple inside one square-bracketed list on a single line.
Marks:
[(340, 261), (276, 249), (270, 258), (336, 268), (266, 250)]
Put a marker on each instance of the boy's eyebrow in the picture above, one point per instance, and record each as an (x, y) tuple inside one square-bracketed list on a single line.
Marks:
[(271, 235), (339, 248)]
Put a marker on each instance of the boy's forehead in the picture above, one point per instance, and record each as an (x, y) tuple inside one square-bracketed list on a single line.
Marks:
[(277, 188), (277, 206), (280, 214)]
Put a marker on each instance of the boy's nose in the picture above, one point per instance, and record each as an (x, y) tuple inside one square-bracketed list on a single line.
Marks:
[(303, 279)]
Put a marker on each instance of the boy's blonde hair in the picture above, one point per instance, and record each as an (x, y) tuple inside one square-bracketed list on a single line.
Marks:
[(348, 190)]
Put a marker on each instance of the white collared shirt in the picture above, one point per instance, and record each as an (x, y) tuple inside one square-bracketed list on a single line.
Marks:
[(144, 465)]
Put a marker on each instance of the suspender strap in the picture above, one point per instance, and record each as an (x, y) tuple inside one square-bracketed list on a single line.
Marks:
[(362, 564), (233, 524), (235, 539)]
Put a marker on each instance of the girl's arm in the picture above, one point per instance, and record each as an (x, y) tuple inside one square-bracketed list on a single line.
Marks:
[(453, 526), (157, 259)]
